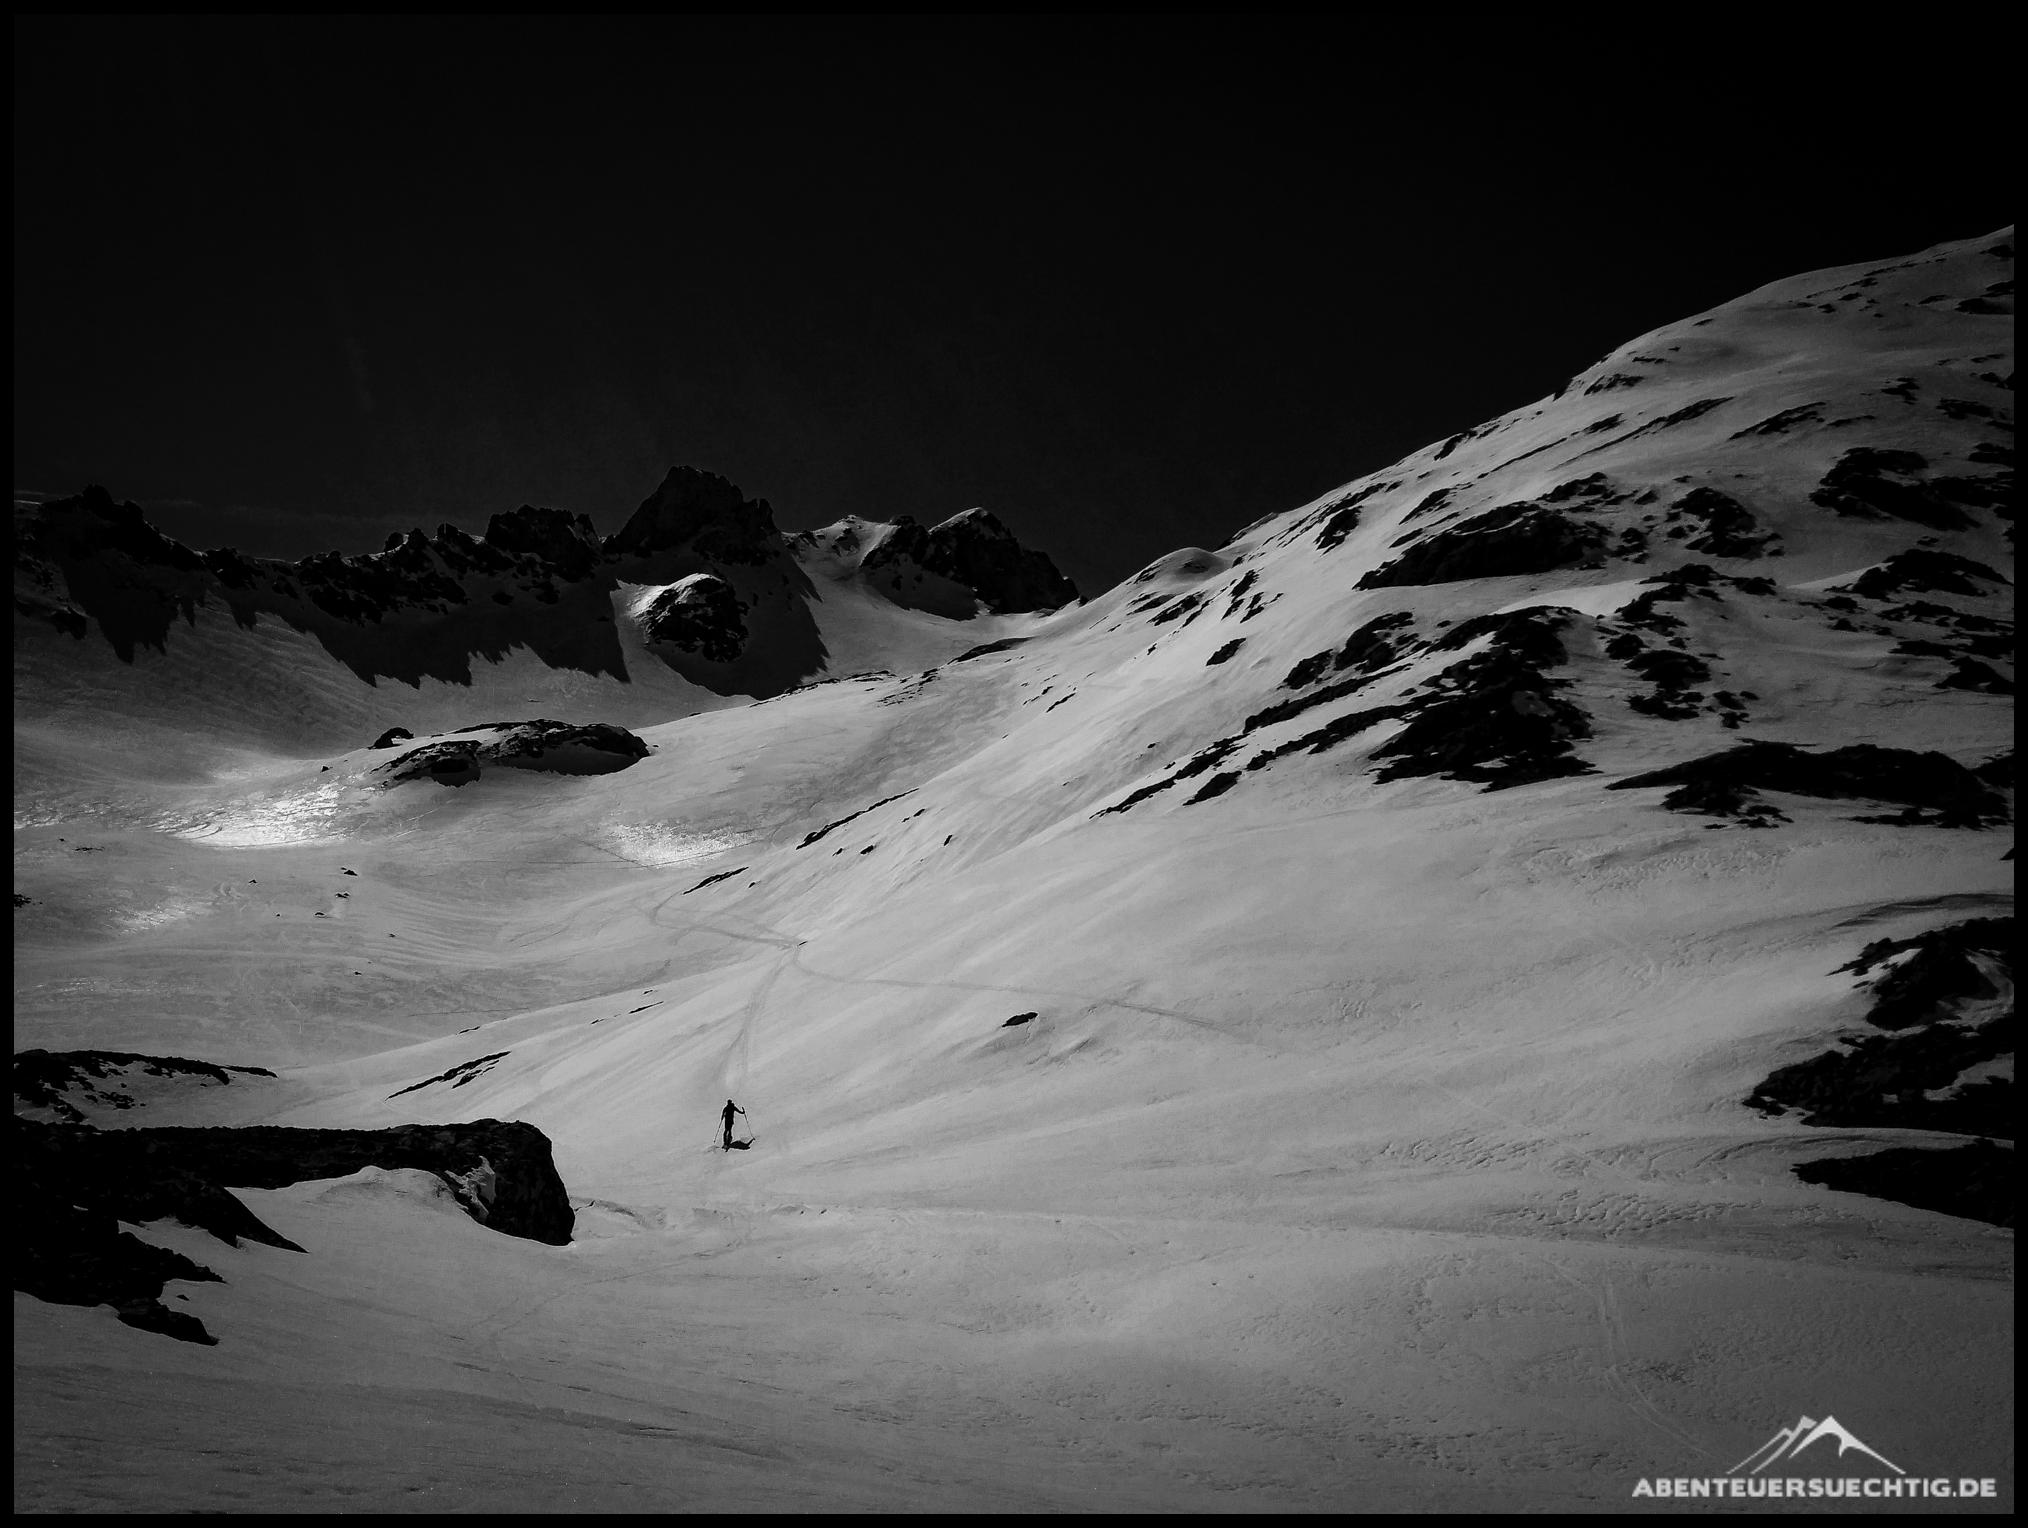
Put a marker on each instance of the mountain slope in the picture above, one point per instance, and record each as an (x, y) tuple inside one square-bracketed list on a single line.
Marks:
[(1261, 1040)]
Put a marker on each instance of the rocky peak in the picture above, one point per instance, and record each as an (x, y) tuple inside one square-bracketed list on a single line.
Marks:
[(703, 512), (976, 549), (566, 542), (90, 523)]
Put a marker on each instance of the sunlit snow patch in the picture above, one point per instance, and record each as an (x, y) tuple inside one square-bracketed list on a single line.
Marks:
[(306, 818), (659, 846)]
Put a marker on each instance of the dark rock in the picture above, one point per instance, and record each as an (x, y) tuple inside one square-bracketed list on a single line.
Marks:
[(1518, 538), (392, 736), (458, 1075), (1202, 762), (700, 614), (701, 512), (1969, 674), (454, 764), (1217, 785), (1366, 651), (1940, 975), (831, 827), (1188, 608), (72, 1253), (1428, 504), (1886, 485), (165, 1172), (1886, 1081), (1724, 798), (1496, 717), (1974, 1182), (976, 552), (1921, 569), (590, 748), (566, 545), (1728, 528), (1338, 519), (48, 1079), (1782, 423), (1225, 652), (986, 648), (1338, 730), (1860, 772), (1018, 1019)]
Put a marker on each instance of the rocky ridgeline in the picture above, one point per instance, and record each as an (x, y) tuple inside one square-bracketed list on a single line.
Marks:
[(731, 609), (74, 1185)]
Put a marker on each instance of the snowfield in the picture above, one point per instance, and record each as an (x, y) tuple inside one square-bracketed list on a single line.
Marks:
[(1371, 1144)]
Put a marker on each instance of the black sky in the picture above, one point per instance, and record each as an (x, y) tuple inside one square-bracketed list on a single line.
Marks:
[(1129, 283)]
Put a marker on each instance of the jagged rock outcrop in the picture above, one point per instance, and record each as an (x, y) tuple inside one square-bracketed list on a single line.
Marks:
[(974, 551), (74, 1184), (700, 614), (564, 542), (703, 513), (565, 748)]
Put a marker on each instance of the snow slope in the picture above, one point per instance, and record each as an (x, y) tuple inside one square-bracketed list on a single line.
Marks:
[(1374, 1139)]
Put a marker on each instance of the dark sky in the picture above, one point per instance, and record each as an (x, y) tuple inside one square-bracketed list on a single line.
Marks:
[(1130, 284)]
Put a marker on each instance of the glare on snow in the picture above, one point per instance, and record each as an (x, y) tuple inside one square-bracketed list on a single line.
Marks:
[(307, 818), (660, 846)]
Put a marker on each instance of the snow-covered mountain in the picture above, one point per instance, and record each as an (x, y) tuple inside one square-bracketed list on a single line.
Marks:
[(696, 600), (1334, 1019)]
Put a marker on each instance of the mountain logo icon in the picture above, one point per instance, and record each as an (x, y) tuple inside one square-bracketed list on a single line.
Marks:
[(1791, 1441)]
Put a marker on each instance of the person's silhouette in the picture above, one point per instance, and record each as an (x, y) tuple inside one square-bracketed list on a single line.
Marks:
[(726, 1114)]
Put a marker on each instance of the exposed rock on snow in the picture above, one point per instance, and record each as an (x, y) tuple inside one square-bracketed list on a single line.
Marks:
[(1925, 571), (67, 1087), (973, 552), (75, 1184), (1948, 998), (458, 1075), (564, 748), (1861, 772), (1870, 483), (1509, 540), (147, 1174), (699, 614), (1718, 525), (1978, 1181), (1496, 717)]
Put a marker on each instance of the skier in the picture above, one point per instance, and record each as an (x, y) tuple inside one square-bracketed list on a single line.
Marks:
[(727, 1113)]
